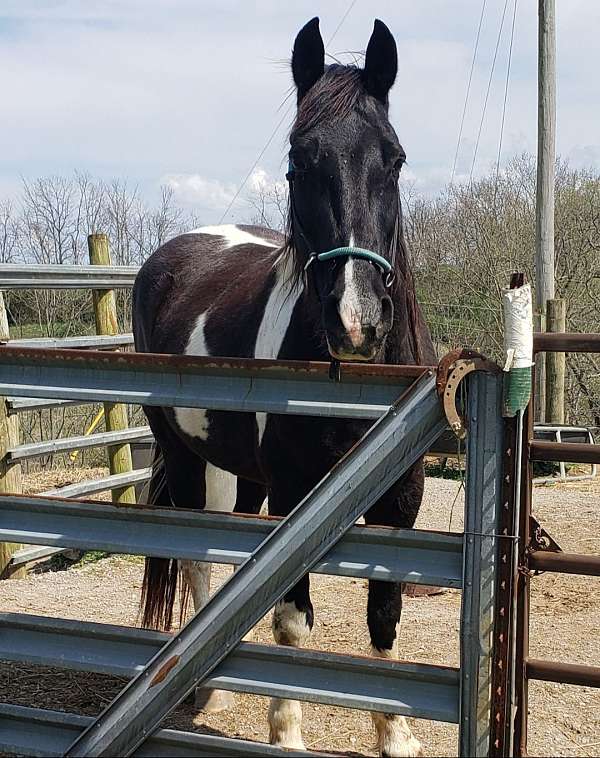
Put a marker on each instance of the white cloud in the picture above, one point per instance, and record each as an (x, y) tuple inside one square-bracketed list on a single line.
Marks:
[(212, 197), (200, 192), (190, 90)]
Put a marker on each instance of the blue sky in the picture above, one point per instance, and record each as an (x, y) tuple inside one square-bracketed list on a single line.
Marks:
[(186, 92)]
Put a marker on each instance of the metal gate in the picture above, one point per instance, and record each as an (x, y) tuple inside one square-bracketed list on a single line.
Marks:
[(539, 553), (319, 535)]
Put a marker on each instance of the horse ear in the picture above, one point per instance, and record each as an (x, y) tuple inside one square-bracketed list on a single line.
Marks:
[(381, 62), (308, 57)]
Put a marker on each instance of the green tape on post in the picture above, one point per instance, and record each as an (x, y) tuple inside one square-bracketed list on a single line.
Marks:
[(517, 390)]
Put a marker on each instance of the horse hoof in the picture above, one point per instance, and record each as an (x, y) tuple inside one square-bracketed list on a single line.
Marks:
[(290, 743), (409, 749), (213, 701)]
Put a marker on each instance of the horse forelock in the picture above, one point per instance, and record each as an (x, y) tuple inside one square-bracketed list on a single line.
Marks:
[(333, 97)]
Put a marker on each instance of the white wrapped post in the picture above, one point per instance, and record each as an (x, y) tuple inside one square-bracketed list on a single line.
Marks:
[(518, 347)]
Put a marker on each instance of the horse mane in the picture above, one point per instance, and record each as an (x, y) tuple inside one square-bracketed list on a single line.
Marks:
[(333, 97)]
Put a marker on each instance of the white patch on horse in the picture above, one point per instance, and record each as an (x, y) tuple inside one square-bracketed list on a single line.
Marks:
[(221, 489), (289, 625), (196, 575), (349, 305), (285, 716), (194, 421), (394, 737), (233, 235), (276, 320)]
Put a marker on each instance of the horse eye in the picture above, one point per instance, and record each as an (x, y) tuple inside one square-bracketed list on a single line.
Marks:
[(298, 162)]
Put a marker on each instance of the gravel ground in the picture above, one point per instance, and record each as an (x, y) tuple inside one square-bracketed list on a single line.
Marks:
[(565, 626)]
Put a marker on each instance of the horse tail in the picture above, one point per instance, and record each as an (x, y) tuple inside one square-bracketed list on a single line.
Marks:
[(159, 587)]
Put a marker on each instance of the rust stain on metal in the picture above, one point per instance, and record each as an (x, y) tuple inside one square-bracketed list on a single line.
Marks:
[(452, 369), (159, 362), (162, 673)]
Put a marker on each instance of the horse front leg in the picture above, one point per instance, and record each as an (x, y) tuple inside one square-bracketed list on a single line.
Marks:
[(219, 494), (292, 622), (398, 507)]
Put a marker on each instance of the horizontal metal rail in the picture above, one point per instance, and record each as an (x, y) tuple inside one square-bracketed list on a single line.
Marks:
[(566, 342), (398, 555), (30, 554), (570, 452), (59, 277), (294, 547), (293, 387), (32, 731), (565, 563), (96, 341), (101, 439), (22, 404), (562, 673), (93, 486), (409, 689)]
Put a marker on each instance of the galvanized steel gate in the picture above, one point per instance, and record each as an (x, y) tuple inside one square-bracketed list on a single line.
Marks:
[(319, 535)]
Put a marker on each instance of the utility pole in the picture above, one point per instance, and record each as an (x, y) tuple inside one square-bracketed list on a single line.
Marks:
[(546, 157)]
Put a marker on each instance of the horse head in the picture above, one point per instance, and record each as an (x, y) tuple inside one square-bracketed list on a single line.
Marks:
[(345, 216)]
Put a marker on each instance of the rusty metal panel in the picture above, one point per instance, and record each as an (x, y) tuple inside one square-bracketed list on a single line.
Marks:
[(570, 452), (565, 563), (563, 673), (566, 342), (210, 383)]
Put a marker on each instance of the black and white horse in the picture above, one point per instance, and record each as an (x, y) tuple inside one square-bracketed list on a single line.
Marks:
[(336, 286)]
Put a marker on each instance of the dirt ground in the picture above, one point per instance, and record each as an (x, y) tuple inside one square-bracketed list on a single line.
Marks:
[(565, 627)]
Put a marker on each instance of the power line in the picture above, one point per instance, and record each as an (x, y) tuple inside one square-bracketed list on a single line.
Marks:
[(512, 36), (280, 122), (462, 120), (487, 94)]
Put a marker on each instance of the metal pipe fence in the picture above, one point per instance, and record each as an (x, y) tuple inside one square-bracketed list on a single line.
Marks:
[(318, 536), (58, 277), (538, 552)]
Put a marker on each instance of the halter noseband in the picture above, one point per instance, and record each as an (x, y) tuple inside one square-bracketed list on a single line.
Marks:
[(348, 251)]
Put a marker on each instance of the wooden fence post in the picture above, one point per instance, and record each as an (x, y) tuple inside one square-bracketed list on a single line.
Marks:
[(115, 414), (555, 365), (10, 473)]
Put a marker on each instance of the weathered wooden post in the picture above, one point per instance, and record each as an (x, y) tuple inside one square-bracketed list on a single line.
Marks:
[(10, 473), (544, 206), (115, 414), (555, 365)]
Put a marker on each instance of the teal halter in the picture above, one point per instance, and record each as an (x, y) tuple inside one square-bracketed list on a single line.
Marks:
[(352, 252)]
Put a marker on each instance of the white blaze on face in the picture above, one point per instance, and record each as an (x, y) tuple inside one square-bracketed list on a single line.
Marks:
[(349, 305)]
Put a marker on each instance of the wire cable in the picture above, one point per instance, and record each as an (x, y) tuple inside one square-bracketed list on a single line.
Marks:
[(279, 123), (462, 120), (510, 49), (487, 94)]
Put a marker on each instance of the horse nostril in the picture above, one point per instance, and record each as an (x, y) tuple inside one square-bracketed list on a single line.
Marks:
[(387, 312)]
